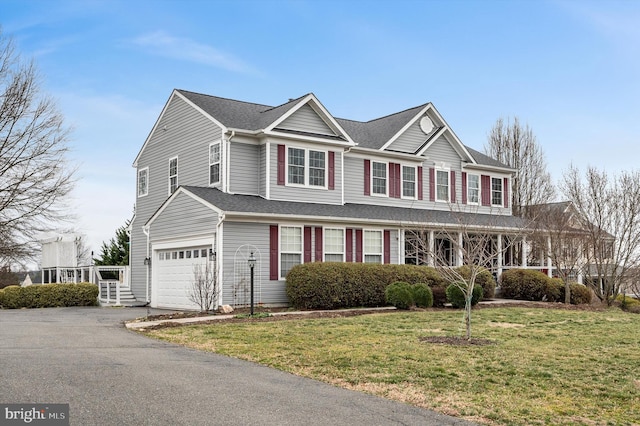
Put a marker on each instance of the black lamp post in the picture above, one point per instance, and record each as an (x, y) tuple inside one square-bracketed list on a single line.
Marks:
[(252, 264)]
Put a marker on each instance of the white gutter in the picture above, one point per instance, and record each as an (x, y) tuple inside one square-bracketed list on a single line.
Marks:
[(145, 230), (231, 133), (219, 256)]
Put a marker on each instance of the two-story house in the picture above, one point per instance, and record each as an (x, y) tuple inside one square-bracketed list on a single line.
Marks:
[(219, 179)]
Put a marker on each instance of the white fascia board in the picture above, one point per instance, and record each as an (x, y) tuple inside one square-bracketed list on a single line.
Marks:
[(320, 110), (175, 93), (314, 139), (180, 190), (368, 153), (480, 167), (249, 217), (406, 126), (458, 145), (433, 138)]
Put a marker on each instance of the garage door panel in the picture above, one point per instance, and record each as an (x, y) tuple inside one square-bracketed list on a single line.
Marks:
[(174, 276)]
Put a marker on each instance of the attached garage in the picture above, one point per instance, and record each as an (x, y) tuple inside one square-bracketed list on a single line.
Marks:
[(173, 273)]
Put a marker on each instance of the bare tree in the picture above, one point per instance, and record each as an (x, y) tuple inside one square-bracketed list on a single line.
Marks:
[(516, 146), (34, 176), (558, 230), (204, 288), (609, 212), (469, 239)]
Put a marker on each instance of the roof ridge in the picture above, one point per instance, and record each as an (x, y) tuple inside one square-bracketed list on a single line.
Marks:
[(226, 99), (286, 103), (386, 116)]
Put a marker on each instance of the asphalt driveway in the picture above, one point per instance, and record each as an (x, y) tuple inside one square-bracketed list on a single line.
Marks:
[(112, 376)]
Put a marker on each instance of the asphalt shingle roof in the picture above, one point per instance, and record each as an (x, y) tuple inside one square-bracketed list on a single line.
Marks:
[(251, 204)]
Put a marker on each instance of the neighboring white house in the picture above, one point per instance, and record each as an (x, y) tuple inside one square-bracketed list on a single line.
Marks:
[(220, 179), (60, 259)]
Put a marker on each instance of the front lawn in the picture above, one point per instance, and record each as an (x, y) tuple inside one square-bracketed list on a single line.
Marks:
[(545, 366)]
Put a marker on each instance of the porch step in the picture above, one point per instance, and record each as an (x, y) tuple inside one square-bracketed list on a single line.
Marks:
[(126, 298)]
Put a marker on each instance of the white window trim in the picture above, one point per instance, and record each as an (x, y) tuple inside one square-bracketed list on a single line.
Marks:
[(176, 175), (435, 184), (307, 175), (479, 189), (146, 192), (324, 243), (501, 191), (386, 179), (365, 253), (219, 162), (281, 252), (415, 182)]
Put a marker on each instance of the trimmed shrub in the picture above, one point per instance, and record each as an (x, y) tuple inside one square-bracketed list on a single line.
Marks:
[(455, 296), (422, 295), (399, 294), (334, 285), (439, 295), (580, 294), (554, 290), (524, 284), (49, 295), (484, 279)]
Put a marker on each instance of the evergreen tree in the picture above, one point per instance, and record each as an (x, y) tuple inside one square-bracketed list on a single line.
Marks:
[(116, 253)]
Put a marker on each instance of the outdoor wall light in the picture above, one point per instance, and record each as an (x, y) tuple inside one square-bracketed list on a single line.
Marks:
[(212, 255), (147, 261)]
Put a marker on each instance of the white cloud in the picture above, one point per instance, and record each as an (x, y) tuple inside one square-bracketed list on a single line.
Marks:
[(184, 49)]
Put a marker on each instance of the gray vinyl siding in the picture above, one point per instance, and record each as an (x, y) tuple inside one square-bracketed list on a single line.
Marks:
[(181, 132), (183, 217), (412, 139), (307, 194), (262, 191), (235, 235), (306, 119), (245, 168)]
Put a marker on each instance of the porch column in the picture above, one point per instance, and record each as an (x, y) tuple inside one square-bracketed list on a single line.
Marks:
[(500, 259), (523, 260), (459, 255), (430, 252), (549, 262)]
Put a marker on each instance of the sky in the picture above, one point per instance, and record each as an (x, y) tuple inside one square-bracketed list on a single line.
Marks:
[(568, 69)]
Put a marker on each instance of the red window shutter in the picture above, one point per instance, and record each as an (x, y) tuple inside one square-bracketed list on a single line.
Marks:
[(392, 180), (318, 244), (505, 193), (387, 246), (486, 190), (453, 186), (307, 244), (432, 184), (349, 245), (281, 164), (464, 188), (273, 253), (398, 181), (367, 177), (359, 245), (420, 183), (332, 170)]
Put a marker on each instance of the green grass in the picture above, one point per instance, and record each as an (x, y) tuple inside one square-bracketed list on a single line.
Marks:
[(547, 366)]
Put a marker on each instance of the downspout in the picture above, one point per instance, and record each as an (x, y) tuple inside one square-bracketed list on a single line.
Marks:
[(145, 230), (219, 256), (228, 160)]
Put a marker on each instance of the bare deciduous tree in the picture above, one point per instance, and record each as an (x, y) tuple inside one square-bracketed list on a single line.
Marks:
[(609, 211), (516, 146), (34, 174), (558, 229), (204, 288)]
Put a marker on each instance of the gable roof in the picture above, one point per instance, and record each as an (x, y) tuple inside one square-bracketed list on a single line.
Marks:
[(256, 206)]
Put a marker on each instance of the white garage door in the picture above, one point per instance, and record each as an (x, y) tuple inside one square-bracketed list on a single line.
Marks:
[(174, 276)]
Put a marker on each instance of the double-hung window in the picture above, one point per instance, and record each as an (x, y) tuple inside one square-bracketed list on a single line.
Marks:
[(214, 163), (442, 185), (143, 182), (372, 246), (408, 182), (496, 191), (473, 189), (333, 245), (306, 167), (173, 175), (290, 248), (379, 178)]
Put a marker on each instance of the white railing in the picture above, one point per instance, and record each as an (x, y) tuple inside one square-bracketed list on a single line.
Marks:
[(109, 291), (110, 280)]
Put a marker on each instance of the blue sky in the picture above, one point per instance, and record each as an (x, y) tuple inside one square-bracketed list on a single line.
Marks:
[(570, 69)]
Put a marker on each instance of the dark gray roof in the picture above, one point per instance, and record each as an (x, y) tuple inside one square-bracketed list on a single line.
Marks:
[(236, 203), (370, 134)]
